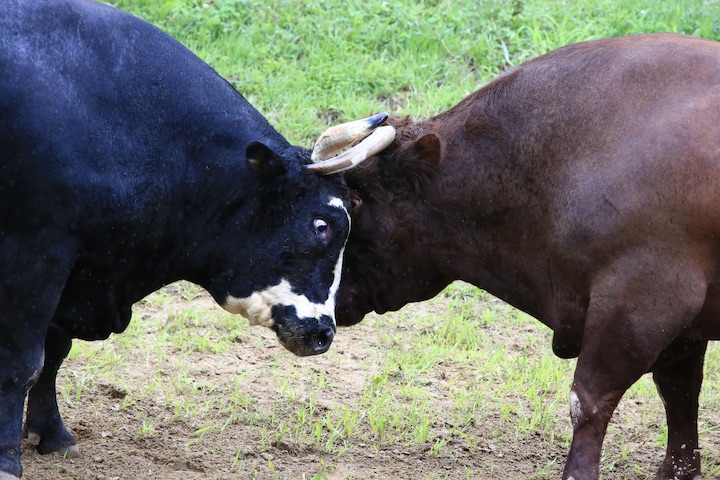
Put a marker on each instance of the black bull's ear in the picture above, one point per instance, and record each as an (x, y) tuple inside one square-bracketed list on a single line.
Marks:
[(263, 161)]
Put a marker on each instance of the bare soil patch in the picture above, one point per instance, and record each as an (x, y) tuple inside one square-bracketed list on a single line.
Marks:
[(164, 412)]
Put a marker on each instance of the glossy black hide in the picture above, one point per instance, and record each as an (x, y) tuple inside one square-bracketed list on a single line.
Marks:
[(127, 163)]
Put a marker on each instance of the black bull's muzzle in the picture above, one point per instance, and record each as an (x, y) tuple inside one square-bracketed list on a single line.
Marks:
[(302, 336), (303, 327)]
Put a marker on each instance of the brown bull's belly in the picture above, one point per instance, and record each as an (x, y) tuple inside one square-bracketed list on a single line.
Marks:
[(707, 324)]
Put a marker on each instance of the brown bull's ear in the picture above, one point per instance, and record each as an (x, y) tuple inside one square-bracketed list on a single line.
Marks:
[(428, 148), (355, 201), (421, 159)]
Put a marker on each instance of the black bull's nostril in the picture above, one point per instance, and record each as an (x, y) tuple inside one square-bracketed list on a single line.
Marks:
[(303, 336), (323, 339)]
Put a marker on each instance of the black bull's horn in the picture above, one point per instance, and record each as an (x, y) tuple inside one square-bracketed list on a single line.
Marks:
[(334, 139)]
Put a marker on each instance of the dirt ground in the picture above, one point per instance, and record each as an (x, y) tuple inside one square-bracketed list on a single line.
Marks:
[(113, 446)]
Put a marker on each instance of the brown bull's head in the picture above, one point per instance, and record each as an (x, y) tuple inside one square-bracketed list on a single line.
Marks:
[(386, 263)]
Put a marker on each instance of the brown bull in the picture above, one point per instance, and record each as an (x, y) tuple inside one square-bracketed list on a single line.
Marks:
[(582, 187)]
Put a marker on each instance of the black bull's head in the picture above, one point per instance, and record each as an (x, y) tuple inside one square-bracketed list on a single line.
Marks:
[(300, 308)]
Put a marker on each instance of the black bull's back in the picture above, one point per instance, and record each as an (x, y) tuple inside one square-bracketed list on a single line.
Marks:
[(581, 187)]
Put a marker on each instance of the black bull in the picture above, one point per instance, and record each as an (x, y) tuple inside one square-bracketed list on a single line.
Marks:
[(582, 187), (127, 163)]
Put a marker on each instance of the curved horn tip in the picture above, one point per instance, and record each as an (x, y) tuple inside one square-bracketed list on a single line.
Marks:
[(377, 120), (335, 138), (380, 139)]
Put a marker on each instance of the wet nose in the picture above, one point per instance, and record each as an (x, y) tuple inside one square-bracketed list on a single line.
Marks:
[(322, 340)]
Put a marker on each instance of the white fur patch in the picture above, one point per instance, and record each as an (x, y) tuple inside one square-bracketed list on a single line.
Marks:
[(257, 308), (576, 412), (337, 203), (35, 375)]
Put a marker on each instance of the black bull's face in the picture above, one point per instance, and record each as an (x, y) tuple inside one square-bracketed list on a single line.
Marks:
[(287, 276), (287, 273), (299, 302)]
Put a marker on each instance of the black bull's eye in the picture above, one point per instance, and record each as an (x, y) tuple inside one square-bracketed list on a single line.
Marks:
[(321, 226)]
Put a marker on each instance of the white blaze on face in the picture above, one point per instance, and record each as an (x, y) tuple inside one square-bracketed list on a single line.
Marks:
[(257, 308), (338, 203)]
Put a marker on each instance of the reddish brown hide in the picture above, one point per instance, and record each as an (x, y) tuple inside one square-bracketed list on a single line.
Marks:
[(582, 187)]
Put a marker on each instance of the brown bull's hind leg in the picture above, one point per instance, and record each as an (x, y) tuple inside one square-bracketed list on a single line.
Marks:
[(678, 376), (637, 307)]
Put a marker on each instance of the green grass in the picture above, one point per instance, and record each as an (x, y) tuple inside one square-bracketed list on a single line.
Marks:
[(308, 64), (439, 379)]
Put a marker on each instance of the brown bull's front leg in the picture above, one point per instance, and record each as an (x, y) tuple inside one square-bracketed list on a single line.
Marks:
[(590, 412), (638, 306)]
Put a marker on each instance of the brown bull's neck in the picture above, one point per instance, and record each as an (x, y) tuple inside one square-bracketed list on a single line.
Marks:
[(483, 202)]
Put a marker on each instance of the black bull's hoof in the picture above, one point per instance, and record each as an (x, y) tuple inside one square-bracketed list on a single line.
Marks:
[(63, 444)]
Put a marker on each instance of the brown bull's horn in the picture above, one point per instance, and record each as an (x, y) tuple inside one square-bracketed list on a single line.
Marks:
[(340, 136), (375, 143)]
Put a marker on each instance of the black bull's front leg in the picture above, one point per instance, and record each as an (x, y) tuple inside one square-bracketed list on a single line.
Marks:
[(44, 427), (33, 271), (637, 308)]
